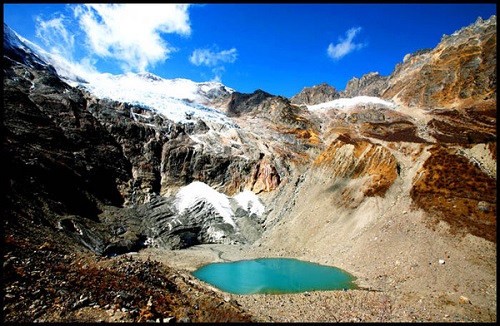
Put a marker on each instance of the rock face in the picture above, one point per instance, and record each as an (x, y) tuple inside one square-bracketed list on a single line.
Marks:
[(240, 103), (107, 174), (359, 159), (371, 84), (314, 95), (460, 69), (73, 157)]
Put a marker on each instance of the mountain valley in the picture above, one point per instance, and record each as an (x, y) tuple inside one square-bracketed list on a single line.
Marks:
[(117, 188)]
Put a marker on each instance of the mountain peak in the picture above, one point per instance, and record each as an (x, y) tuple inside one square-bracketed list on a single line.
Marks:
[(315, 95), (16, 48), (413, 184), (461, 69)]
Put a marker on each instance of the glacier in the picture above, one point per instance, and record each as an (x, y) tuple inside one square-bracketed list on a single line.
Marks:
[(179, 99), (197, 191), (347, 103)]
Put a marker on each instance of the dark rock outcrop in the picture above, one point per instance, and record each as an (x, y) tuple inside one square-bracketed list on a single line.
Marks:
[(77, 162), (240, 103)]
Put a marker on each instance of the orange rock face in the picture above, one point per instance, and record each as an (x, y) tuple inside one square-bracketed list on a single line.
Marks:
[(358, 158), (266, 178), (462, 67)]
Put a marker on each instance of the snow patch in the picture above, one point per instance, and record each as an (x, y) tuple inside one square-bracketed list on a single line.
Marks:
[(344, 103), (215, 235), (198, 191), (250, 202)]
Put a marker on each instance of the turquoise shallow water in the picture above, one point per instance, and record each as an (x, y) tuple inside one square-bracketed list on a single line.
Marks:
[(274, 275)]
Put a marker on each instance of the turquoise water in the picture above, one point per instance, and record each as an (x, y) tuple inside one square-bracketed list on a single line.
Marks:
[(274, 275)]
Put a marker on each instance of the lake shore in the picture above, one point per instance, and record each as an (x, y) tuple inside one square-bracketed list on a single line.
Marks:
[(374, 302)]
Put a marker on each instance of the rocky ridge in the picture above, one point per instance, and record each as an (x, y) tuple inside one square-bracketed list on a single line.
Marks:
[(100, 177), (317, 94)]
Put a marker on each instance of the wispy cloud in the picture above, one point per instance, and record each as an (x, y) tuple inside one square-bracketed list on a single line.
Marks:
[(217, 71), (131, 34), (210, 58), (214, 59), (345, 45), (55, 36)]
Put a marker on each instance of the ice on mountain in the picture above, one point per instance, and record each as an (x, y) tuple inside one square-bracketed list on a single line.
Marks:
[(178, 99), (14, 42), (249, 201), (198, 191), (346, 103)]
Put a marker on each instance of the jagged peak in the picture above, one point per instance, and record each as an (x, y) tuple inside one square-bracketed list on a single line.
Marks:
[(315, 94), (476, 27)]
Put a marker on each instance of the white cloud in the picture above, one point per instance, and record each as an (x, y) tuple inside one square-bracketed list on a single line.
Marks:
[(345, 46), (213, 59), (54, 35), (130, 33), (210, 58), (127, 33)]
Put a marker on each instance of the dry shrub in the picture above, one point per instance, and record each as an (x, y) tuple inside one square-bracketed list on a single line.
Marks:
[(457, 191)]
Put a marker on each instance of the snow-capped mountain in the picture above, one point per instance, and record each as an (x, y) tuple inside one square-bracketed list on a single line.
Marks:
[(356, 182), (180, 100), (19, 48)]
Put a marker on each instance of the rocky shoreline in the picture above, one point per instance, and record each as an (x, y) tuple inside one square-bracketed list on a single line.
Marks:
[(45, 283), (377, 302)]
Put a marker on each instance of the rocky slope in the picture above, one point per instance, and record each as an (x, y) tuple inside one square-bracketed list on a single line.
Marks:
[(461, 69), (384, 179), (317, 94)]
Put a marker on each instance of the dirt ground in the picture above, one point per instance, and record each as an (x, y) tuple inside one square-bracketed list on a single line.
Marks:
[(406, 271)]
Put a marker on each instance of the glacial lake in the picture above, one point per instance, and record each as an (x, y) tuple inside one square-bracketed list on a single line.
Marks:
[(274, 276)]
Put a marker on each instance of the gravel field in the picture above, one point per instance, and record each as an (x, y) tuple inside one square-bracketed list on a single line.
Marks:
[(450, 278)]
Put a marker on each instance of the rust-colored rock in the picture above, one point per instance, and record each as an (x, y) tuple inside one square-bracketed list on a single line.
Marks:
[(461, 67), (358, 158), (266, 177)]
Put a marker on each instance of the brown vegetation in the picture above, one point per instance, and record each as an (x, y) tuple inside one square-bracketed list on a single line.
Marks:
[(47, 283), (451, 188), (393, 132), (474, 123)]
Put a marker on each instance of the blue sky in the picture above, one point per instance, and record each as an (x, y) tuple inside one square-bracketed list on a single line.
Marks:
[(279, 48)]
